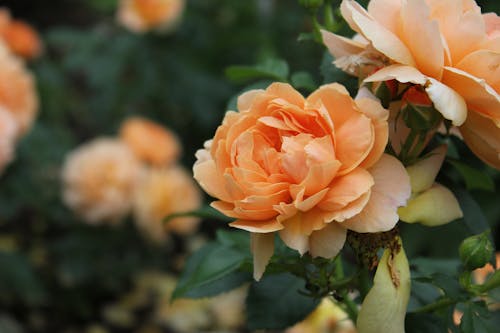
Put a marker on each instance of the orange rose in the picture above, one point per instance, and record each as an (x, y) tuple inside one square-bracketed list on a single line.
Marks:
[(160, 193), (151, 142), (143, 15), (446, 46), (99, 179), (308, 169), (20, 37), (17, 90), (8, 130)]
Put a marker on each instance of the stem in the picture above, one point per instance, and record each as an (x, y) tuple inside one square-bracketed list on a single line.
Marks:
[(350, 307), (439, 304)]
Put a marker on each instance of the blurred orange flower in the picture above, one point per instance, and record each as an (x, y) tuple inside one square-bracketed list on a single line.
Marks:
[(151, 142), (8, 130), (99, 179), (446, 46), (20, 37), (143, 15), (161, 192), (17, 90), (307, 168)]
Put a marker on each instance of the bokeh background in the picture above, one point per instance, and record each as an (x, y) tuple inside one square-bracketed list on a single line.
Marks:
[(59, 274)]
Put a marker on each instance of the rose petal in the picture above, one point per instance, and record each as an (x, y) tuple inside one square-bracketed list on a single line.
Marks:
[(479, 96), (386, 12), (382, 39), (257, 226), (433, 207), (328, 241), (447, 101), (262, 247), (483, 64), (390, 191), (423, 173), (483, 138), (379, 116), (340, 46)]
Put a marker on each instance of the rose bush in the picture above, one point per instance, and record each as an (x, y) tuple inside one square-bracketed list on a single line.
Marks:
[(309, 169)]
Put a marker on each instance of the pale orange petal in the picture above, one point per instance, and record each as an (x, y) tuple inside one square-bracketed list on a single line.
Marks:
[(423, 173), (382, 39), (386, 12), (328, 241), (257, 226), (293, 234), (346, 189), (379, 117), (205, 173), (479, 96), (354, 141), (447, 101), (390, 191), (246, 99), (340, 46), (483, 64), (400, 73), (422, 37), (262, 247), (483, 138), (286, 91)]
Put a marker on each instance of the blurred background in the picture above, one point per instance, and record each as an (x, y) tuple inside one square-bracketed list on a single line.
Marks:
[(61, 273)]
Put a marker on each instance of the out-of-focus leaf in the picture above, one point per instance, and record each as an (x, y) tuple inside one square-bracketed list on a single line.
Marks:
[(424, 323), (276, 303), (474, 179), (18, 280), (209, 264), (303, 80), (9, 325), (205, 212), (474, 319), (275, 69), (226, 283)]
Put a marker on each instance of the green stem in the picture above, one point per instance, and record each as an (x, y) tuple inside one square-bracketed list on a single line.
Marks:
[(492, 283), (439, 304), (350, 307)]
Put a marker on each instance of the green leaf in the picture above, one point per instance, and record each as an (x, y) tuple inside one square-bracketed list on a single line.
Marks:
[(474, 319), (303, 80), (205, 212), (9, 325), (276, 303), (236, 239), (18, 281), (473, 215), (209, 264), (275, 69), (474, 178), (226, 283), (424, 323)]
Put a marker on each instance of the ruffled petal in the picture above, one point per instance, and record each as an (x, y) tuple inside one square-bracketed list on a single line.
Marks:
[(382, 39), (391, 190), (328, 241), (483, 138), (262, 247)]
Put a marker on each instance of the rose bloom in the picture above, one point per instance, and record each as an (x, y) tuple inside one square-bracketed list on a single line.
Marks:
[(151, 142), (446, 46), (20, 37), (308, 169), (143, 15), (98, 180), (161, 192), (8, 130), (17, 90)]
